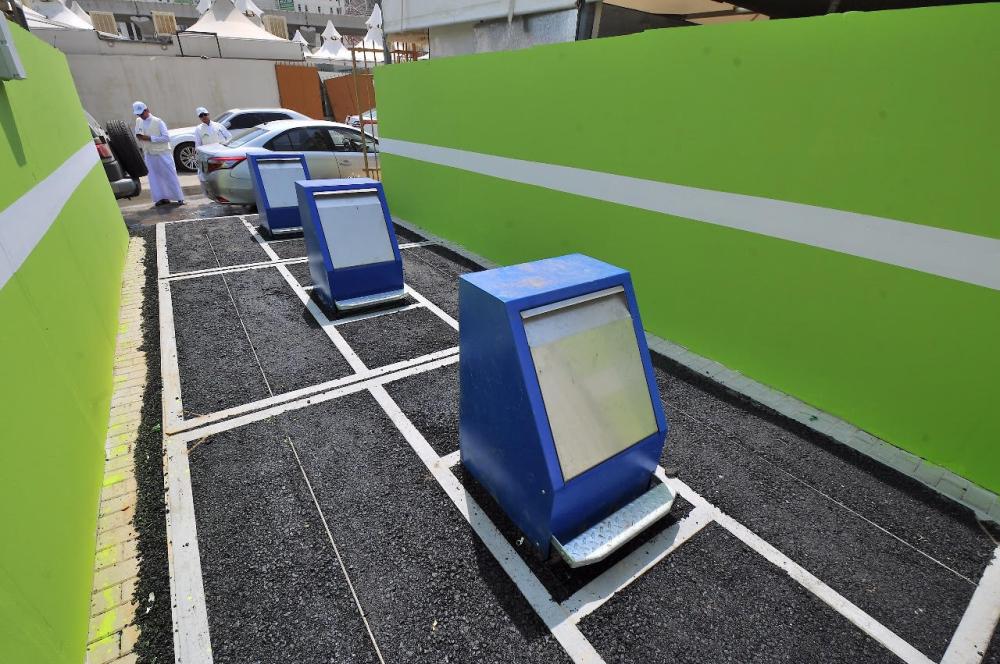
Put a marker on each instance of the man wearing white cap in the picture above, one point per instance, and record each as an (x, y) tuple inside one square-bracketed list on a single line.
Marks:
[(208, 130), (151, 132)]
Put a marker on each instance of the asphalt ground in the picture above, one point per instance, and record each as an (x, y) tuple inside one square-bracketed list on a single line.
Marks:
[(278, 586)]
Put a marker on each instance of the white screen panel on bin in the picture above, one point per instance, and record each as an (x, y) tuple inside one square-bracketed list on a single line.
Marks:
[(591, 376), (355, 229), (279, 181)]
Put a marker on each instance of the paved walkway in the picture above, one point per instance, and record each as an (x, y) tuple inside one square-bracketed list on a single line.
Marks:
[(112, 634)]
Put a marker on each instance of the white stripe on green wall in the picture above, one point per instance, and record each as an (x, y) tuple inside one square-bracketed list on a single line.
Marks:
[(26, 220), (964, 257)]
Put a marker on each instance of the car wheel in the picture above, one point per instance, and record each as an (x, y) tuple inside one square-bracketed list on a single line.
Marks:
[(125, 149), (186, 157)]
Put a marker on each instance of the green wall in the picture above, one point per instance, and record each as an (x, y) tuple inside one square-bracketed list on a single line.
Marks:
[(886, 113), (58, 323)]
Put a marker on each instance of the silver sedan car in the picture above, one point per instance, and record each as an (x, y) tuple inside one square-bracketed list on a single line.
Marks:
[(332, 150)]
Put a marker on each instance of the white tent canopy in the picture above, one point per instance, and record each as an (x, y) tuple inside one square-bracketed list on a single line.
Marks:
[(204, 6), (299, 39), (330, 32), (248, 7), (57, 12), (375, 20), (84, 16), (333, 50), (225, 20)]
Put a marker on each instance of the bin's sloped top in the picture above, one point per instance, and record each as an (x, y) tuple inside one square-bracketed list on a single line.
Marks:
[(526, 280), (339, 183)]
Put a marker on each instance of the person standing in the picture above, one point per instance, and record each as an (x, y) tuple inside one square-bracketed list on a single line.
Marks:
[(151, 132), (208, 131)]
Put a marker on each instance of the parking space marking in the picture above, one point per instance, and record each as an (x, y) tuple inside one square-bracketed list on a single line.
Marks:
[(260, 240), (173, 409), (615, 579), (192, 641), (430, 305), (889, 639), (555, 617), (263, 414), (451, 459), (162, 264), (212, 271), (396, 368), (969, 642)]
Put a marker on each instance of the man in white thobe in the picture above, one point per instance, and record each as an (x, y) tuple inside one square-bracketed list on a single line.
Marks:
[(208, 132), (151, 132)]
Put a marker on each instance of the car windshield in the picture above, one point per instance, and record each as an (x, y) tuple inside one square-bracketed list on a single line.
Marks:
[(246, 138), (225, 116)]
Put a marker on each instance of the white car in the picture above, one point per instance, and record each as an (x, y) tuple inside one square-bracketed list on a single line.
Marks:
[(237, 120), (370, 119), (331, 149)]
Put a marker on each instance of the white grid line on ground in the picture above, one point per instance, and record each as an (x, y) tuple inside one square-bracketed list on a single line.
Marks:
[(803, 577), (204, 420), (173, 409), (266, 413), (552, 614), (192, 642), (452, 459), (212, 271), (430, 305), (162, 263), (616, 578), (969, 642)]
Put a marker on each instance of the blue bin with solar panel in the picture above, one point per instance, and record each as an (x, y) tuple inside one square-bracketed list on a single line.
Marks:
[(560, 416), (353, 254), (274, 176)]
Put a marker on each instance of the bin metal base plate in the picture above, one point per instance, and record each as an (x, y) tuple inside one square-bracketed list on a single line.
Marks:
[(369, 300), (604, 538)]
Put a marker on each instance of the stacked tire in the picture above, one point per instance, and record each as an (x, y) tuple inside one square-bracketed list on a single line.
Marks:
[(125, 149)]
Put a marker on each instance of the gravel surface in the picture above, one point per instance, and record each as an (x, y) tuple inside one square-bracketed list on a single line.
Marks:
[(430, 400), (209, 243), (715, 600), (431, 590), (401, 336), (217, 365), (152, 591), (301, 273), (894, 583), (293, 247), (910, 510), (433, 272), (274, 589), (406, 235)]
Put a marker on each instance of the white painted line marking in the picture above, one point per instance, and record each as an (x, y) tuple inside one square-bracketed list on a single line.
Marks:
[(433, 307), (328, 326), (974, 259), (589, 598), (234, 215), (336, 551), (825, 593), (411, 245), (173, 407), (187, 592), (162, 263), (260, 240), (452, 459), (554, 616), (969, 642), (397, 369), (212, 271), (257, 416), (26, 220)]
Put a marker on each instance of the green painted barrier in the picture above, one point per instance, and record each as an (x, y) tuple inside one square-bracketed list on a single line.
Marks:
[(886, 114), (62, 249)]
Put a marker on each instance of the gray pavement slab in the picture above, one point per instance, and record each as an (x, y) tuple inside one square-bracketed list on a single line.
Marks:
[(208, 243), (273, 587), (715, 600), (430, 589), (399, 336)]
